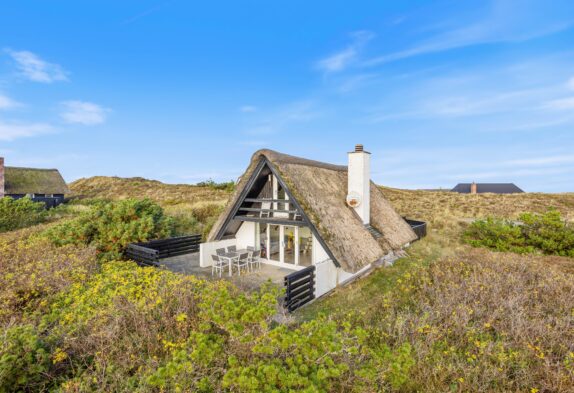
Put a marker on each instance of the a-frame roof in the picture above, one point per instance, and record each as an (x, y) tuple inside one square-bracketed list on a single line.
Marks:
[(320, 190)]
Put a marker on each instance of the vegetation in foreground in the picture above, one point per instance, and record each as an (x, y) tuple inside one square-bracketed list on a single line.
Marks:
[(534, 233), (446, 318), (72, 324), (20, 213)]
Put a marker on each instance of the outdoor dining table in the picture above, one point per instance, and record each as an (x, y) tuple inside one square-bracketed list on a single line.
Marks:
[(231, 255)]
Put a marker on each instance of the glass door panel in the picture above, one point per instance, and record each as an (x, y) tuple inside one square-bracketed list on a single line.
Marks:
[(263, 239), (274, 243), (305, 246), (289, 244)]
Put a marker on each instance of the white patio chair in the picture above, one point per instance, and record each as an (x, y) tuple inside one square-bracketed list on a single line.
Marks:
[(231, 249), (255, 259), (218, 265), (220, 251), (241, 261)]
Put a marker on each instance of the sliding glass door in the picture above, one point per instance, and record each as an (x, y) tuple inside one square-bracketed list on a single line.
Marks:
[(274, 245), (286, 244), (289, 244)]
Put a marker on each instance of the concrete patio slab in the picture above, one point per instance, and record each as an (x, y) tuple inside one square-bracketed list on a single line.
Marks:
[(189, 264)]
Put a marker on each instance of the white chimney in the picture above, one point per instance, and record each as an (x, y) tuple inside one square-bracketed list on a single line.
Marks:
[(359, 183)]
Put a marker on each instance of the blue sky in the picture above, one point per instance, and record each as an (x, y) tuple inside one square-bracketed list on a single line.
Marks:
[(439, 91)]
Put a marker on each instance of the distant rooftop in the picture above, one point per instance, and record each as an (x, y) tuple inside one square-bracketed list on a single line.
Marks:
[(481, 188)]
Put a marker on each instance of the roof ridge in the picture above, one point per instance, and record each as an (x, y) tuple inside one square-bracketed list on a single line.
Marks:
[(273, 156), (32, 169)]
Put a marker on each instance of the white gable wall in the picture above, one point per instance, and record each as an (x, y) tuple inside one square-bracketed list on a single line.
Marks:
[(206, 250), (246, 235)]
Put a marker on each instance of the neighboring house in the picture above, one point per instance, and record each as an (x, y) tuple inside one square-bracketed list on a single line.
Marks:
[(301, 213), (42, 185), (481, 188)]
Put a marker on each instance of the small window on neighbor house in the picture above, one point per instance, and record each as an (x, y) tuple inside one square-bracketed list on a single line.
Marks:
[(49, 195), (30, 195)]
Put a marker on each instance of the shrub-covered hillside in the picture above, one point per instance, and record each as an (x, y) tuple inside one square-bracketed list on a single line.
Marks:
[(104, 187), (194, 207), (446, 317)]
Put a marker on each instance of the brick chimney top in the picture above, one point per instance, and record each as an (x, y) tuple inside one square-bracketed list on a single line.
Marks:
[(474, 188), (359, 148)]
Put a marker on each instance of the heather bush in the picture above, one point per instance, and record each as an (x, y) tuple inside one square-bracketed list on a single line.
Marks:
[(544, 233), (24, 358), (130, 328), (111, 226), (33, 271), (20, 213), (226, 186)]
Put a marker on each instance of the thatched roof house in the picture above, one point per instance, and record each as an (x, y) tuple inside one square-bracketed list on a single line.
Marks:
[(347, 214), (37, 183), (34, 181)]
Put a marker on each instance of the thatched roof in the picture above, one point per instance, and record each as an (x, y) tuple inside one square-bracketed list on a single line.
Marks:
[(34, 181), (321, 190)]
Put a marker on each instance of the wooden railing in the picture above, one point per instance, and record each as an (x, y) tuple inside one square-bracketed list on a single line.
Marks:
[(149, 253), (299, 288), (142, 255), (419, 227)]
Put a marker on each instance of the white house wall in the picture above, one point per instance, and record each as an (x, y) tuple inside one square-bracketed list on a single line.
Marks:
[(319, 253), (206, 250), (246, 235), (325, 270)]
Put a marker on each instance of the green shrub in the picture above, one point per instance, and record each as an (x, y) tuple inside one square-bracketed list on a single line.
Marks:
[(545, 233), (24, 358), (111, 226), (20, 213), (226, 186)]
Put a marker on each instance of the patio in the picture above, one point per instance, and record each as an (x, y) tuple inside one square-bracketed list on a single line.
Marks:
[(189, 264)]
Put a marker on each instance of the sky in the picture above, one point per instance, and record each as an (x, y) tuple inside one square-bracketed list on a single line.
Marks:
[(440, 92)]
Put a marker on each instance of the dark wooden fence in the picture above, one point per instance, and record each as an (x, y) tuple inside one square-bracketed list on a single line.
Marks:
[(419, 227), (149, 253), (300, 288), (142, 255)]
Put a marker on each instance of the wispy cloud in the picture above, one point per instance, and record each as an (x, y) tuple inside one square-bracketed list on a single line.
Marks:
[(12, 131), (248, 109), (147, 12), (81, 112), (570, 83), (560, 104), (8, 103), (540, 161), (271, 123), (32, 67), (342, 59), (502, 22)]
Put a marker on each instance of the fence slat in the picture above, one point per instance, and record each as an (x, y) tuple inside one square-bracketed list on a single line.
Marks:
[(152, 251), (300, 288), (418, 227)]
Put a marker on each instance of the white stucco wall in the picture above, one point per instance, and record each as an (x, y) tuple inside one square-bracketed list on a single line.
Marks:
[(246, 235), (325, 277), (319, 253), (206, 250), (325, 270)]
